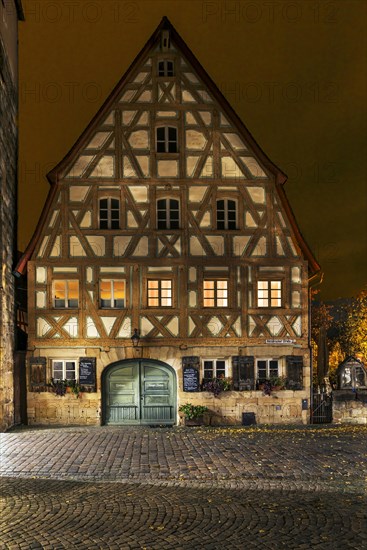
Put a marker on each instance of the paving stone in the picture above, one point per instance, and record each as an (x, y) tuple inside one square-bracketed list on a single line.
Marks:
[(128, 488)]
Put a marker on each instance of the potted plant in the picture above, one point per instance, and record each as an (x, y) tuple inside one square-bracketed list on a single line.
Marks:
[(217, 385), (58, 386), (278, 383), (193, 414)]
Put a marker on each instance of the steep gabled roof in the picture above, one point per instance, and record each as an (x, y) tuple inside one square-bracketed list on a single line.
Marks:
[(280, 178)]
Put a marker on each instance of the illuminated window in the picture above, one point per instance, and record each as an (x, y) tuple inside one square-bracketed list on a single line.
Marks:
[(63, 369), (109, 213), (112, 293), (168, 214), (166, 139), (215, 293), (226, 214), (269, 293), (165, 68), (159, 293), (214, 368), (65, 294), (266, 369)]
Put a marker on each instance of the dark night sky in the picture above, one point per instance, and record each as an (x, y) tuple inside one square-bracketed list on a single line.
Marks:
[(294, 71)]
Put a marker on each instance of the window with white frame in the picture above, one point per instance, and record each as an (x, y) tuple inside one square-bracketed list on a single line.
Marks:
[(167, 139), (226, 214), (109, 213), (269, 293), (214, 368), (215, 293), (266, 369), (166, 68), (159, 293), (63, 369), (65, 293), (168, 214), (112, 293)]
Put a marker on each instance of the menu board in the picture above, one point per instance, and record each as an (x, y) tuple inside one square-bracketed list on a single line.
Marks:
[(191, 379), (87, 371)]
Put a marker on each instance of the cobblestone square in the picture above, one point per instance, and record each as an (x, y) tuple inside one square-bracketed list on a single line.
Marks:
[(155, 488)]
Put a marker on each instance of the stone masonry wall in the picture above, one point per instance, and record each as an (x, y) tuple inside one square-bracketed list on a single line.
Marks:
[(8, 175), (350, 407), (281, 407)]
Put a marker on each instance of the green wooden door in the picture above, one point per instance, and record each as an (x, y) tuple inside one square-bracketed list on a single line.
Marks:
[(140, 392)]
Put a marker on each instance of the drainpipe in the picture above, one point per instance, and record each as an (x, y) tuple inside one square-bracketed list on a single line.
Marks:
[(313, 282)]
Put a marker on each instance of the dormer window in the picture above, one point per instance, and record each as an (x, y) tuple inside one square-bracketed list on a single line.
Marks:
[(167, 139), (166, 68)]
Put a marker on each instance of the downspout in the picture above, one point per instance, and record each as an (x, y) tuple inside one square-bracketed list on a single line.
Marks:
[(312, 283)]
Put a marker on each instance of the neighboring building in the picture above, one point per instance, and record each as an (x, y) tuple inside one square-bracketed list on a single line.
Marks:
[(168, 218), (10, 13)]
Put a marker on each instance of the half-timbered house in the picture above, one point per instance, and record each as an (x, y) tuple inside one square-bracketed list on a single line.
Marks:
[(167, 262)]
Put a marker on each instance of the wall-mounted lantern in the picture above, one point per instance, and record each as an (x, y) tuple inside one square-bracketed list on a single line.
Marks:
[(135, 338)]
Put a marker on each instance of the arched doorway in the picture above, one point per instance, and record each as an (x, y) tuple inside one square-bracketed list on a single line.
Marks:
[(141, 391)]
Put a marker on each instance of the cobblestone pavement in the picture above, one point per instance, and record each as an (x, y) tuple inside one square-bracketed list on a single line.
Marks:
[(156, 488)]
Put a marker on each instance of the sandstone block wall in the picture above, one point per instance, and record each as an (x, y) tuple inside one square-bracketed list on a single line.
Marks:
[(350, 407), (8, 179)]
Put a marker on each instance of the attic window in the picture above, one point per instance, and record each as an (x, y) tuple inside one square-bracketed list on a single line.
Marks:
[(166, 68), (165, 42), (166, 139)]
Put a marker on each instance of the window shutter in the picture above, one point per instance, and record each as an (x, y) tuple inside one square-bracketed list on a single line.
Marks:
[(190, 373), (37, 367), (243, 368), (294, 372)]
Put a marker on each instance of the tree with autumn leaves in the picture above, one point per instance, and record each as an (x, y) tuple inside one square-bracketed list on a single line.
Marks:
[(341, 329)]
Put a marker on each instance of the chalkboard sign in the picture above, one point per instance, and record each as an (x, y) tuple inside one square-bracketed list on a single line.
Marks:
[(87, 371), (190, 379)]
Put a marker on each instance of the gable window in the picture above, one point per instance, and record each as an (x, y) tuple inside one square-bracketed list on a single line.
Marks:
[(109, 213), (168, 214), (269, 293), (214, 368), (112, 293), (159, 293), (167, 139), (215, 293), (165, 68), (65, 294), (266, 369), (226, 214), (63, 369)]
